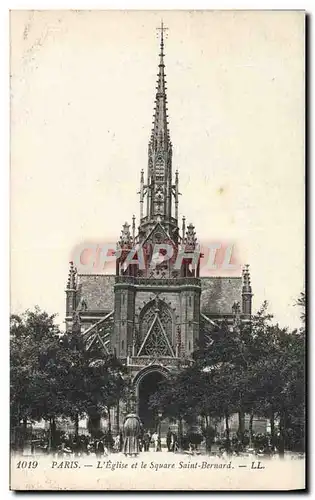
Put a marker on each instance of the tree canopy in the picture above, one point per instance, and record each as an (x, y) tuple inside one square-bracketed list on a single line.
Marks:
[(54, 375), (253, 367)]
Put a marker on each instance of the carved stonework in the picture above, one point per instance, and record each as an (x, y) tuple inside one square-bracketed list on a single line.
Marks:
[(170, 282), (125, 240), (165, 315), (147, 361)]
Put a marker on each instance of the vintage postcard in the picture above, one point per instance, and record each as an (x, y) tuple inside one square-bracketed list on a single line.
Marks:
[(157, 333)]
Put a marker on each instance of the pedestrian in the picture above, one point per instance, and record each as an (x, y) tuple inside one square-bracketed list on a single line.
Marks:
[(100, 448), (90, 448), (132, 432), (121, 440), (64, 450), (108, 440), (169, 439), (146, 441), (174, 442), (117, 443), (155, 439)]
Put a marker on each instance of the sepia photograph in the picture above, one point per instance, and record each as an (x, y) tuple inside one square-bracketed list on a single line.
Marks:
[(157, 260)]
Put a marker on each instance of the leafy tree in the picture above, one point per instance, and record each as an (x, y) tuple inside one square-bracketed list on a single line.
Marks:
[(175, 398), (53, 375), (301, 302), (33, 338), (90, 383), (257, 368)]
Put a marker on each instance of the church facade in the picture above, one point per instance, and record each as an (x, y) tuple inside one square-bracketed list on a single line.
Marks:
[(157, 307)]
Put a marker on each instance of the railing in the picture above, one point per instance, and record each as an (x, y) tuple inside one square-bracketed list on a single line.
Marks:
[(164, 361), (131, 280), (154, 218)]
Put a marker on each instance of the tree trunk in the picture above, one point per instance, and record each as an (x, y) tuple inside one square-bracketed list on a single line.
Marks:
[(241, 425), (180, 434), (281, 437), (94, 423), (23, 434), (207, 421), (209, 437), (76, 426), (109, 420), (227, 431), (53, 433), (117, 418), (272, 429), (251, 434), (50, 435)]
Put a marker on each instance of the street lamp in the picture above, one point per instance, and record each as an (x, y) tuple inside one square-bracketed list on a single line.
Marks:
[(159, 446)]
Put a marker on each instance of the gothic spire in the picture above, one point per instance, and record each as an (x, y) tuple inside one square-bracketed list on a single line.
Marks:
[(125, 240), (246, 292), (160, 134), (246, 280), (190, 240), (71, 283), (158, 191)]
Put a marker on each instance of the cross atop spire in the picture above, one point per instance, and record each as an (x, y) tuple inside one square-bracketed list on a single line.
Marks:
[(160, 134), (159, 191), (162, 28)]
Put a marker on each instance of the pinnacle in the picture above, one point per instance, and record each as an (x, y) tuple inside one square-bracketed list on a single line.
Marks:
[(71, 283), (160, 131)]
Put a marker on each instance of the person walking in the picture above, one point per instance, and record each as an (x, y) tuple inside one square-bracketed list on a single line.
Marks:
[(174, 442), (169, 439), (146, 441), (117, 443), (155, 439), (132, 432), (100, 448), (121, 440)]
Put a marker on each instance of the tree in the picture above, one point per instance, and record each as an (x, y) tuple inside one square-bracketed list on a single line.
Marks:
[(228, 355), (34, 338), (175, 399), (301, 302), (257, 368), (277, 381), (54, 375), (91, 382)]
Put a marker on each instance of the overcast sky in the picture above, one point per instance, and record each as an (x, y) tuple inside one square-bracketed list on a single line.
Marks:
[(83, 85)]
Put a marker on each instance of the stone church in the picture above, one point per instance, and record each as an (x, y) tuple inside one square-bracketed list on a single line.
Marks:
[(153, 312)]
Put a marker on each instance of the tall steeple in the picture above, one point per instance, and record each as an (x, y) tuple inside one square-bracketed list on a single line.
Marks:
[(160, 139), (158, 189)]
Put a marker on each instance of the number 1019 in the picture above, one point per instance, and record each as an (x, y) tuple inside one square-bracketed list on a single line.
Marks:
[(23, 464)]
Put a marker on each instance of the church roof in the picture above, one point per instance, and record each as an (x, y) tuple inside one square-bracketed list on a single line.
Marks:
[(218, 294), (97, 290)]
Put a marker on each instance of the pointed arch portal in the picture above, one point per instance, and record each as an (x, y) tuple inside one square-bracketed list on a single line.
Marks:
[(147, 383)]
